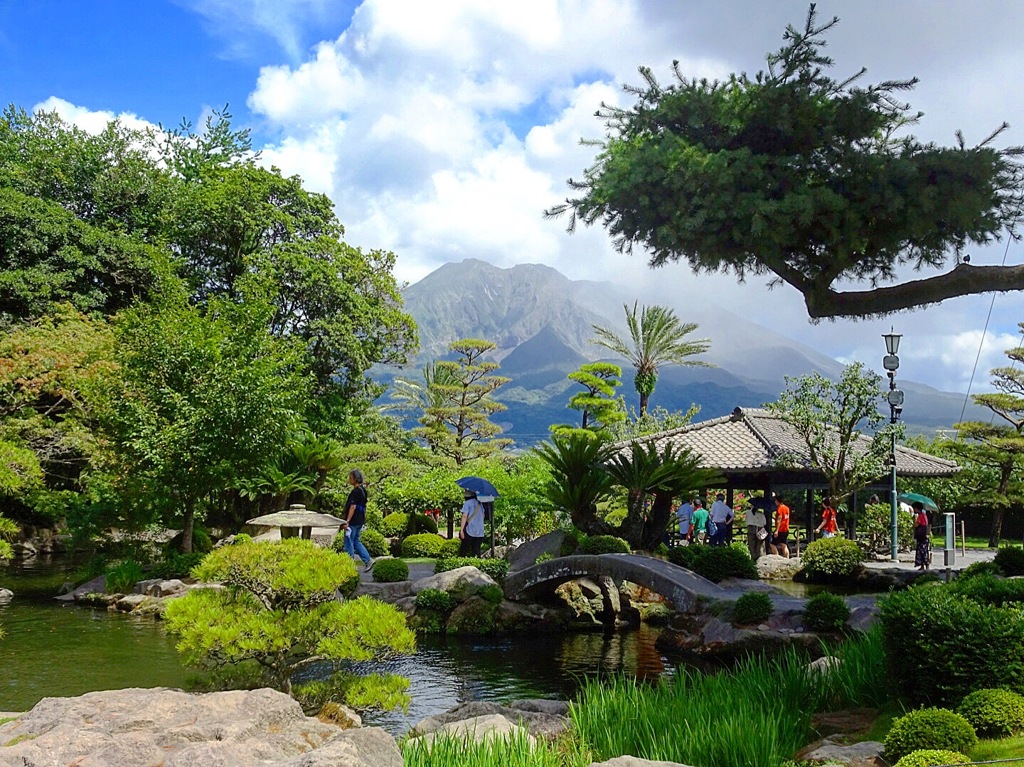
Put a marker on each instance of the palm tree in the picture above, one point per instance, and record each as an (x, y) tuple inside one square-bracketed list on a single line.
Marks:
[(657, 337)]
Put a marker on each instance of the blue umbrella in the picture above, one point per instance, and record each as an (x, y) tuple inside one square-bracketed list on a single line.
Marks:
[(924, 500), (478, 485)]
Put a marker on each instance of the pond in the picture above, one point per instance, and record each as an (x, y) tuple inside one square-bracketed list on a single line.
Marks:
[(51, 649)]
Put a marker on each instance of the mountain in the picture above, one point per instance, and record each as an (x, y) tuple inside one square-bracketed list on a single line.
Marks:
[(542, 323)]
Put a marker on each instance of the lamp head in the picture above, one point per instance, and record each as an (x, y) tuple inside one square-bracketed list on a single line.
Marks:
[(892, 342)]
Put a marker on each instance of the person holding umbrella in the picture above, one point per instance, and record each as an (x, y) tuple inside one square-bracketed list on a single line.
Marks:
[(471, 531), (922, 537)]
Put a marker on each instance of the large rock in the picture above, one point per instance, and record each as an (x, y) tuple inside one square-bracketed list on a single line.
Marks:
[(385, 592), (96, 585), (6, 595), (867, 753), (772, 567), (531, 714), (526, 555), (478, 729), (128, 728), (461, 583)]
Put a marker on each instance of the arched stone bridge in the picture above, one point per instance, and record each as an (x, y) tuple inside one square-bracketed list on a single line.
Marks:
[(677, 584)]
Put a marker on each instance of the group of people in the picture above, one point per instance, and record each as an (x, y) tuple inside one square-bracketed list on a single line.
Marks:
[(699, 526), (471, 531)]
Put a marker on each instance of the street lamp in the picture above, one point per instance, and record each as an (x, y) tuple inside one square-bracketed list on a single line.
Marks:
[(891, 363)]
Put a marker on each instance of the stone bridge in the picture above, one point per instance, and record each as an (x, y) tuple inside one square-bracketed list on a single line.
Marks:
[(677, 584)]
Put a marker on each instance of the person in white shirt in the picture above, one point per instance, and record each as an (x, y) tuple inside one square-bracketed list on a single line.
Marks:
[(683, 515), (721, 515)]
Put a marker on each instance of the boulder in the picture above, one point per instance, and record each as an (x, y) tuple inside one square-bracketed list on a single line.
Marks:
[(473, 617), (97, 599), (120, 728), (867, 753), (6, 595), (526, 555), (461, 583), (541, 706), (478, 729), (24, 549), (128, 602), (772, 567), (824, 665), (539, 723), (143, 587), (337, 714), (96, 585), (385, 592), (518, 618), (169, 588), (851, 721)]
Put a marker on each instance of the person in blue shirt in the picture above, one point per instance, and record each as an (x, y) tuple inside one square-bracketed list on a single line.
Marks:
[(471, 532)]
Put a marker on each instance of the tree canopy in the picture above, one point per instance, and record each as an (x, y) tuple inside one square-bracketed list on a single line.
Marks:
[(807, 178)]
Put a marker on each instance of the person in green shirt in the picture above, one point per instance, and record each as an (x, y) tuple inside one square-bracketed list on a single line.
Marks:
[(699, 522)]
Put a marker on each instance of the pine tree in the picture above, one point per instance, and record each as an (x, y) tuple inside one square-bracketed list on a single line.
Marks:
[(597, 401)]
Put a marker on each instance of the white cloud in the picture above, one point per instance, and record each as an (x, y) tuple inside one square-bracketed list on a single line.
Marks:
[(90, 120)]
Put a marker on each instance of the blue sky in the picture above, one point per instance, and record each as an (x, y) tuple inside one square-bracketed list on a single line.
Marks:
[(442, 130)]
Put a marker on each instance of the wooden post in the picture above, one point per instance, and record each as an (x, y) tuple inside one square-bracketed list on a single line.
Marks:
[(963, 537), (810, 516)]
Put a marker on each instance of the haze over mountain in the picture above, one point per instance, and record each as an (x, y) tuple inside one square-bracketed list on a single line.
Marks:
[(542, 323)]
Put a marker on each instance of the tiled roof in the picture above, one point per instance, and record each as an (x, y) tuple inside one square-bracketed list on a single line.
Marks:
[(754, 440)]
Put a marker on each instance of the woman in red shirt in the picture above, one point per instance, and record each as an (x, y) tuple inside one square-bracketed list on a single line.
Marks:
[(828, 527), (922, 538)]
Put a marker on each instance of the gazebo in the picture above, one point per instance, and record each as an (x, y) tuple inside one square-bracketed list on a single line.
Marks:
[(757, 450)]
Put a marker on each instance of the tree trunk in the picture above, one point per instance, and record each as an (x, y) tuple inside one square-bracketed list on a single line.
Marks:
[(644, 399), (998, 514), (654, 530), (189, 525)]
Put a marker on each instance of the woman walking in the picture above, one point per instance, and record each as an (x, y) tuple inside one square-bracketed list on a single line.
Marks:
[(472, 530), (355, 518)]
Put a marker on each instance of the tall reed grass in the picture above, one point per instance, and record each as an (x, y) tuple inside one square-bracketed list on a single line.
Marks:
[(756, 715), (515, 751)]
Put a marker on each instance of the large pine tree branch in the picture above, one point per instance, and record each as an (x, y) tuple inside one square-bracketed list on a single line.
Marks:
[(964, 280)]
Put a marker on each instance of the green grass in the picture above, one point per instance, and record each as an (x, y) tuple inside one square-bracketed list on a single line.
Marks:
[(516, 751), (973, 542), (5, 719), (419, 560), (1003, 748)]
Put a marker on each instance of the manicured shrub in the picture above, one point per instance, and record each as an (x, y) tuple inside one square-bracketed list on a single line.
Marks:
[(979, 568), (941, 646), (435, 599), (832, 557), (422, 545), (421, 523), (241, 538), (390, 571), (122, 577), (1010, 560), (201, 542), (929, 728), (826, 613), (716, 563), (991, 590), (571, 542), (393, 525), (603, 544), (451, 548), (374, 542), (751, 608), (685, 556), (930, 757), (496, 568), (994, 713)]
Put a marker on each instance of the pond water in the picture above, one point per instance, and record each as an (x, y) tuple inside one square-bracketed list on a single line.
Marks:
[(52, 649)]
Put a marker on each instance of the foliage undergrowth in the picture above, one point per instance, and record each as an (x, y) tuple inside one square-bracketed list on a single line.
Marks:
[(716, 563), (496, 568)]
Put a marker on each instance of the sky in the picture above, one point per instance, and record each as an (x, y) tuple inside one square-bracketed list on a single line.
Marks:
[(443, 130)]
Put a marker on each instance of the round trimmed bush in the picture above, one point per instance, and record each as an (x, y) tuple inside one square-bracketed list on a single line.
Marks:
[(832, 557), (393, 525), (826, 613), (1010, 560), (603, 544), (390, 571), (994, 712), (374, 542), (201, 542), (930, 757), (421, 523), (751, 608), (435, 599), (423, 545), (570, 542), (929, 728), (716, 563), (451, 548)]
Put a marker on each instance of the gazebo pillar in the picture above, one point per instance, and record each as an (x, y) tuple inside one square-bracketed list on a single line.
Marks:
[(810, 516)]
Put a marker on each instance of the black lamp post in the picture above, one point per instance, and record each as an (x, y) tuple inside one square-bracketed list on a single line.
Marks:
[(891, 364)]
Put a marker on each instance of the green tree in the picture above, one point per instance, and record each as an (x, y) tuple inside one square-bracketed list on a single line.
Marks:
[(596, 402), (656, 337), (999, 446), (830, 418), (809, 179), (578, 480), (279, 611), (459, 425), (210, 397)]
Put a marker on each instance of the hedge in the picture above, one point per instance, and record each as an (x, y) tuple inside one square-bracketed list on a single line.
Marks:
[(1010, 560), (716, 563), (603, 544), (496, 568), (994, 713), (423, 545), (390, 571), (925, 728), (826, 613), (930, 757), (832, 557), (941, 646), (753, 607), (393, 525)]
